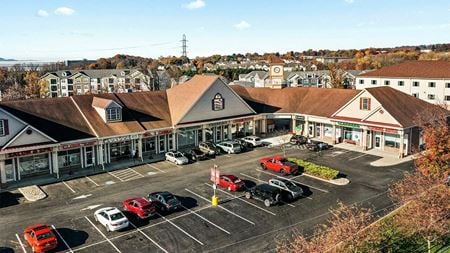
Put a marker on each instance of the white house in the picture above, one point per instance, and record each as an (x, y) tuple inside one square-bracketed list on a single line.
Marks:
[(426, 80)]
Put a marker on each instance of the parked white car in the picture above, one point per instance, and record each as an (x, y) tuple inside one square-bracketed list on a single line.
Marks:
[(112, 218), (176, 157), (230, 147), (255, 141), (293, 191)]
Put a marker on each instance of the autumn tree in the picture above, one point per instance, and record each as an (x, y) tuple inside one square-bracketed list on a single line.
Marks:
[(14, 92), (336, 76), (344, 226)]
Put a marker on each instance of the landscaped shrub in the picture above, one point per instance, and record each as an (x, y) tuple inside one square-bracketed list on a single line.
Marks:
[(316, 170)]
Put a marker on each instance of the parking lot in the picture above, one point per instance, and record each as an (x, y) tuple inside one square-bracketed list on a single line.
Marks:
[(237, 224)]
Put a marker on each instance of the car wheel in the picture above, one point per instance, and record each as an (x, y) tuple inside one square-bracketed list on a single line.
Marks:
[(267, 202), (248, 195), (263, 166), (229, 151), (282, 172), (251, 145), (229, 188), (291, 196)]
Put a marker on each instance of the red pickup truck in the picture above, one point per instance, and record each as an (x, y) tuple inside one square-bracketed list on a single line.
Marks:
[(279, 164)]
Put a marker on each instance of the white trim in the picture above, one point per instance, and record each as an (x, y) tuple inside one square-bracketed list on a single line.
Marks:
[(22, 131)]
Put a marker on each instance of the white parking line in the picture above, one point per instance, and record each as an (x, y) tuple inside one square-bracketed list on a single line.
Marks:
[(268, 173), (257, 179), (104, 236), (64, 241), (357, 157), (137, 172), (156, 168), (115, 176), (90, 179), (148, 237), (337, 153), (203, 218), (231, 212), (245, 201), (21, 244), (171, 163), (182, 230), (227, 156), (70, 188)]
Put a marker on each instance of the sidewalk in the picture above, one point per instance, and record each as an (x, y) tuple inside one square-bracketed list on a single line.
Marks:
[(387, 159)]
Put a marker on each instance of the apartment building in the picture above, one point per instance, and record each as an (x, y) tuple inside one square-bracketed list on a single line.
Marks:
[(66, 83), (426, 80)]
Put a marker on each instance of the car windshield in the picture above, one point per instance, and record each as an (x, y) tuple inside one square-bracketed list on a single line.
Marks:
[(116, 216), (236, 180), (43, 236), (177, 155), (257, 139), (290, 185)]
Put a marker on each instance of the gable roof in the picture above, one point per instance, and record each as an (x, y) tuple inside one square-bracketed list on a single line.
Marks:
[(418, 69), (102, 102), (310, 101), (403, 107), (182, 97)]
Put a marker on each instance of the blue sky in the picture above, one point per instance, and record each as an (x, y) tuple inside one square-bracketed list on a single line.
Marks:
[(74, 29)]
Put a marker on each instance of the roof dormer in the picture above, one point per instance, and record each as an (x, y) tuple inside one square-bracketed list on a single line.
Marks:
[(107, 109), (65, 73)]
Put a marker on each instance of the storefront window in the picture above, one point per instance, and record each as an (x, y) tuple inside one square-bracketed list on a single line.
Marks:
[(69, 158), (209, 134), (218, 134), (34, 165), (162, 143), (392, 140), (186, 138), (318, 129), (225, 132), (328, 130), (170, 141), (120, 150), (351, 134), (148, 145), (9, 170)]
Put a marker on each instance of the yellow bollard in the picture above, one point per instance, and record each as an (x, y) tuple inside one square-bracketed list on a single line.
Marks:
[(215, 200)]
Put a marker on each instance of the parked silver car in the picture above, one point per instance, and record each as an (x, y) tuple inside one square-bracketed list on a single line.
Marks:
[(176, 157), (254, 141), (293, 191), (230, 147)]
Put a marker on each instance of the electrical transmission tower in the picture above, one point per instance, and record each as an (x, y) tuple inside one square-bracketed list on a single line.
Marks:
[(184, 49)]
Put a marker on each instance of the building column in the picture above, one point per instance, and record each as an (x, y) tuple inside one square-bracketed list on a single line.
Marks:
[(140, 148), (253, 127), (306, 130), (333, 133), (174, 140), (229, 133), (203, 134), (364, 139), (101, 158), (293, 124), (2, 172), (82, 156), (402, 143), (382, 141), (54, 155), (264, 125)]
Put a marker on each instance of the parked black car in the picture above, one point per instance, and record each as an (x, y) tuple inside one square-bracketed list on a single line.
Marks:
[(245, 146), (195, 154), (268, 194), (317, 145), (164, 201), (298, 140)]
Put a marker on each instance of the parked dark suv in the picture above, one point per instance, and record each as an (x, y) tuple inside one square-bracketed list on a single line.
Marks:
[(298, 140), (317, 145), (264, 192)]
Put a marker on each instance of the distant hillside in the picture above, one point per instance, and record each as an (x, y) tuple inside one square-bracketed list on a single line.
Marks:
[(3, 59)]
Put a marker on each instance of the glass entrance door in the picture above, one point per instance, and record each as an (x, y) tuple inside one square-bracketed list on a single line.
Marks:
[(377, 141), (9, 170), (89, 156)]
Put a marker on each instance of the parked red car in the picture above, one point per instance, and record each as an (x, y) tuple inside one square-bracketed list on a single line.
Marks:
[(40, 237), (279, 164), (230, 182), (140, 206)]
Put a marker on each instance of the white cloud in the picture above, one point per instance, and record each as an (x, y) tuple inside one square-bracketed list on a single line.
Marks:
[(242, 25), (42, 13), (349, 1), (196, 4), (64, 11)]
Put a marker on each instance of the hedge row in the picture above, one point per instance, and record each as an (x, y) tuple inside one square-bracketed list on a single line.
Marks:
[(316, 170)]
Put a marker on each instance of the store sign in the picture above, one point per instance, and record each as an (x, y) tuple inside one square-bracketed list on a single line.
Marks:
[(301, 118), (122, 138), (242, 120), (381, 129), (156, 133), (76, 145), (347, 124), (29, 152), (218, 124)]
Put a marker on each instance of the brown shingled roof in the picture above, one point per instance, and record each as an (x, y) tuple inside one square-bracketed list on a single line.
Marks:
[(418, 69), (311, 101), (126, 126), (182, 97), (403, 107), (101, 102), (151, 107)]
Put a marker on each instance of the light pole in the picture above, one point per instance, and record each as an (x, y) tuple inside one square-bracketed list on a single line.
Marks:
[(215, 199)]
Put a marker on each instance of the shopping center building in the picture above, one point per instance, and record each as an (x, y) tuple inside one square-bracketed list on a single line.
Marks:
[(59, 136)]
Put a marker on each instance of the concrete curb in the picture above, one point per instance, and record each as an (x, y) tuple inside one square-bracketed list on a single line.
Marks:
[(338, 181), (33, 193)]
